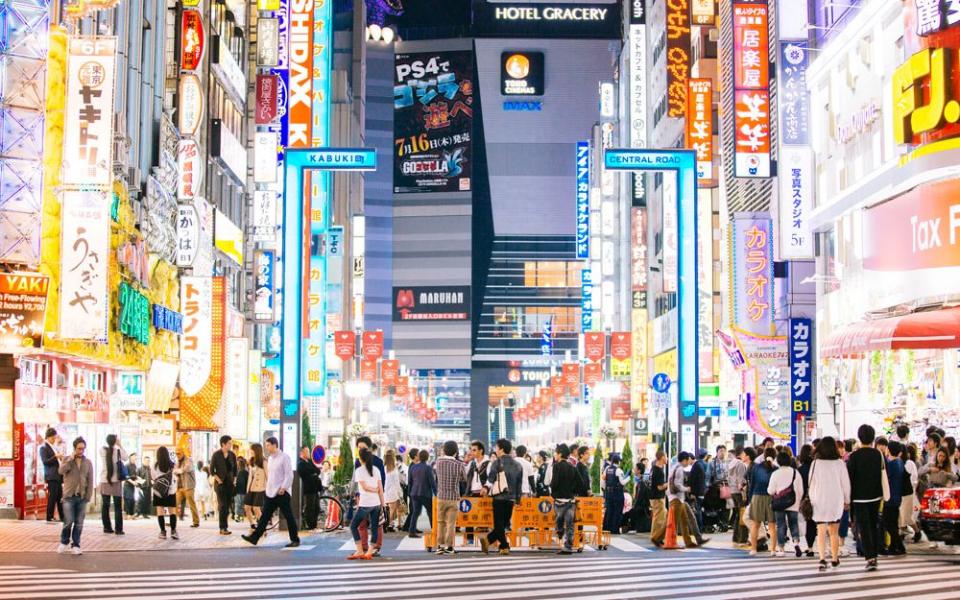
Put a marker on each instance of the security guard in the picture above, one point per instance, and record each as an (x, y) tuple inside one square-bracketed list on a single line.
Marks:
[(612, 483)]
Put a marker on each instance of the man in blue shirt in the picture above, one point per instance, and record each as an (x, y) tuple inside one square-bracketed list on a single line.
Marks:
[(890, 518)]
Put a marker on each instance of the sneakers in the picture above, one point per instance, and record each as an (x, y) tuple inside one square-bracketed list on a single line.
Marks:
[(809, 553), (797, 551), (77, 551), (844, 552), (872, 564), (174, 536), (293, 544), (779, 553), (163, 535), (249, 539), (753, 553), (823, 566), (63, 549), (440, 550), (504, 551)]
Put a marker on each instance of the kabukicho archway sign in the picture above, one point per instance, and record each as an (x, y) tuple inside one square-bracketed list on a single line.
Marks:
[(684, 164)]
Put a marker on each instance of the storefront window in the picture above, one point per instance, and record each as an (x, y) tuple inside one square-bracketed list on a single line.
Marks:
[(551, 274)]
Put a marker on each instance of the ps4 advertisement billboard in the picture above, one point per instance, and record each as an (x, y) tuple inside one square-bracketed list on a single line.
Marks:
[(433, 103)]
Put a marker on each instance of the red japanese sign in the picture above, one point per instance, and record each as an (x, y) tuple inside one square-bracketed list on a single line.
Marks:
[(368, 370), (344, 344), (700, 124), (593, 345), (592, 374), (557, 387), (402, 388), (751, 58), (192, 40), (620, 408), (371, 344), (267, 89), (389, 372), (571, 377), (751, 65), (752, 123), (620, 345)]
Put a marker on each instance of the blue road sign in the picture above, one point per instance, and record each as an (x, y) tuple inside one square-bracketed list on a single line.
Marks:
[(660, 383)]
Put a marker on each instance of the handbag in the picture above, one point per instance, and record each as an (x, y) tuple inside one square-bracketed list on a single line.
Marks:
[(884, 481), (500, 486), (162, 485), (806, 506), (724, 492), (123, 473), (786, 497)]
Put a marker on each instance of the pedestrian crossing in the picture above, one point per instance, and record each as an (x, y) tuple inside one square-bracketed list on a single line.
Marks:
[(617, 543), (598, 576)]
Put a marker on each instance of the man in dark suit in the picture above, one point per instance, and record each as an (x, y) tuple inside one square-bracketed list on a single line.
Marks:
[(310, 486), (50, 457), (223, 468)]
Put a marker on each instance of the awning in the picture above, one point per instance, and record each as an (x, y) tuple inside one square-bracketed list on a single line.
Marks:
[(930, 329)]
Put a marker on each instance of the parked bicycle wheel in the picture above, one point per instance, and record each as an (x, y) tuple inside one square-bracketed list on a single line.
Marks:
[(331, 516)]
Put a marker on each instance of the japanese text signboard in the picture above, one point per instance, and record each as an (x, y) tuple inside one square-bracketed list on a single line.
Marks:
[(23, 302), (794, 101), (700, 124), (83, 270), (678, 57), (433, 122), (88, 116), (203, 302), (751, 63), (583, 200), (751, 245), (801, 367)]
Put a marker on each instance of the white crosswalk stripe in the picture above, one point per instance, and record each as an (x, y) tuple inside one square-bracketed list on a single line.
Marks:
[(598, 576)]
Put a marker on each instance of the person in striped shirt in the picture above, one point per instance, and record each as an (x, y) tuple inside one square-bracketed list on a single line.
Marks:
[(451, 482)]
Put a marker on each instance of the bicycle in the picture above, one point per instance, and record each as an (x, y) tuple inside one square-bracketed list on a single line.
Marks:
[(331, 516)]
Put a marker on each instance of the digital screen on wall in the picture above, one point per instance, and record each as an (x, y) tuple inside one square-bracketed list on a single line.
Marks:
[(447, 391), (433, 121)]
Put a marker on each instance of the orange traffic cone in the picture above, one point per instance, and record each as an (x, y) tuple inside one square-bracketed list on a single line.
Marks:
[(670, 537)]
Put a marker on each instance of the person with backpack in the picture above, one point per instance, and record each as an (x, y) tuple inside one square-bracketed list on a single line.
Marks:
[(164, 492), (868, 488), (786, 489), (759, 500), (504, 485), (612, 483), (899, 483), (114, 458)]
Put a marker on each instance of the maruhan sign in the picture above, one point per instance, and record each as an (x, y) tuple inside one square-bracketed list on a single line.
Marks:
[(550, 13)]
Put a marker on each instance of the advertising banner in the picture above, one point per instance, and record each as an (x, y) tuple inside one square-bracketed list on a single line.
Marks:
[(751, 261), (586, 300), (801, 367), (88, 115), (751, 60), (433, 122), (433, 303), (368, 369), (268, 32), (678, 58), (766, 383), (264, 286), (638, 361), (23, 303), (561, 19), (203, 302), (670, 243), (85, 244), (638, 256), (228, 238), (638, 92), (265, 144), (371, 344), (192, 39), (583, 200), (189, 169), (189, 104), (264, 227), (700, 124), (235, 387), (188, 235), (703, 11), (345, 344), (620, 345), (571, 378), (389, 372), (254, 406), (796, 201), (794, 101), (592, 374), (594, 343), (705, 326)]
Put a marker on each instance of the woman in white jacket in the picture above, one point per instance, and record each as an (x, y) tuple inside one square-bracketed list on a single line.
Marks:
[(830, 496), (781, 480)]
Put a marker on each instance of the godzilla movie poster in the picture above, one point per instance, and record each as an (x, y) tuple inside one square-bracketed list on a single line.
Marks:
[(433, 121)]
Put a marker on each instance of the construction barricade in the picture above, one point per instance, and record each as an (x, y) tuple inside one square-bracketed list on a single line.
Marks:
[(473, 512)]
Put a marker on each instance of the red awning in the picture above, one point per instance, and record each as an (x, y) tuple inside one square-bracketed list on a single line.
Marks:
[(930, 329)]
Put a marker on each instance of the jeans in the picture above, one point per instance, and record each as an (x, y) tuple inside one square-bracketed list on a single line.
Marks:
[(658, 519), (130, 505), (74, 511), (361, 514), (867, 517), (565, 527), (891, 526), (418, 503), (502, 511), (613, 515), (270, 506), (784, 518), (844, 525), (446, 522), (186, 496), (224, 500), (54, 498), (697, 505), (311, 508), (117, 513)]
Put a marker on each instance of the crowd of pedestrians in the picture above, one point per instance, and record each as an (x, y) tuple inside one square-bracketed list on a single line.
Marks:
[(866, 490)]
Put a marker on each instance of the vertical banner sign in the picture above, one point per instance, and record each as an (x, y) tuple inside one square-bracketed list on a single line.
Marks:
[(638, 91), (571, 378), (203, 302), (264, 288), (678, 57), (85, 255), (593, 345), (751, 247), (433, 121), (795, 179), (702, 12), (700, 124), (371, 344), (801, 367), (638, 256), (705, 330), (670, 241), (638, 361), (254, 406), (583, 200), (264, 216), (794, 101), (88, 116), (236, 386), (188, 235), (345, 344), (621, 349), (586, 300), (751, 74)]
